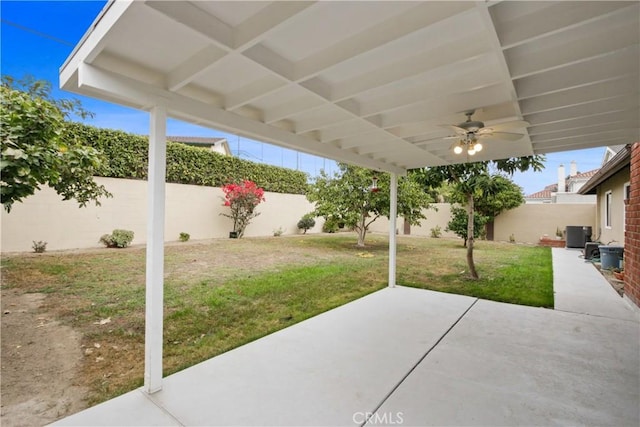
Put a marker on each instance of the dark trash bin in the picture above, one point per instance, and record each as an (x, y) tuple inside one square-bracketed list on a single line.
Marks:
[(610, 256)]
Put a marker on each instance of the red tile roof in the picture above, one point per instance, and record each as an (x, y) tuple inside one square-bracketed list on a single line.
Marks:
[(544, 194)]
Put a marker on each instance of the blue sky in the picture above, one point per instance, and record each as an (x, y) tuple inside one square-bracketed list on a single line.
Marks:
[(37, 36)]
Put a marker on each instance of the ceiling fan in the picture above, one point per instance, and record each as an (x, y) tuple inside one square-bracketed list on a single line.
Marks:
[(473, 129), (469, 133)]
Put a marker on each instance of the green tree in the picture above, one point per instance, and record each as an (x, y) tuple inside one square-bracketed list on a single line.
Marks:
[(504, 195), (459, 223), (473, 182), (33, 150), (348, 197)]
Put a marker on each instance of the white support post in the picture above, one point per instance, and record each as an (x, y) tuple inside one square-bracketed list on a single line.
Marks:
[(155, 250), (393, 214)]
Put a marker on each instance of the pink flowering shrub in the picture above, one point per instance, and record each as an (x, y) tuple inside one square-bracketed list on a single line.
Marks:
[(242, 199)]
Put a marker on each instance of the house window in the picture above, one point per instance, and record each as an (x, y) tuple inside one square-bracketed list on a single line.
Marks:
[(627, 191), (607, 209), (627, 194)]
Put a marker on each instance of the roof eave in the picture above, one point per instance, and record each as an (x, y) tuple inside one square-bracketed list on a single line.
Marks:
[(612, 167)]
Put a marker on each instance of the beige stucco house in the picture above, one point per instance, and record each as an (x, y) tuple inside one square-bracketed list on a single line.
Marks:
[(566, 190), (611, 186)]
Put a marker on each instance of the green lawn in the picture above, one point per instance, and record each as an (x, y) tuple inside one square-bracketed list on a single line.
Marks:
[(222, 293)]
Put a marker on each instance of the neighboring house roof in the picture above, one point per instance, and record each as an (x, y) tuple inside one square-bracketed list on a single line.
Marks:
[(584, 175), (611, 151), (618, 162), (201, 141), (543, 194), (552, 188)]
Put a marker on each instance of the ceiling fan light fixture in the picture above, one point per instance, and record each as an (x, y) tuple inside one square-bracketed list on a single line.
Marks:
[(471, 131)]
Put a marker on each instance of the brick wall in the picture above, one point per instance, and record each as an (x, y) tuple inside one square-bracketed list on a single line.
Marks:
[(632, 234)]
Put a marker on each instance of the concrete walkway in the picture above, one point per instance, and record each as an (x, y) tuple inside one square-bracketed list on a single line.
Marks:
[(580, 288), (406, 356)]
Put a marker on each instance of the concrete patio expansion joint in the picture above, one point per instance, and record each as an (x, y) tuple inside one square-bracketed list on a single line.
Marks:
[(636, 320), (424, 356), (150, 398)]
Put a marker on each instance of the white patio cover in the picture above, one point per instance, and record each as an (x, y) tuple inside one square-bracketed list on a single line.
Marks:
[(369, 83)]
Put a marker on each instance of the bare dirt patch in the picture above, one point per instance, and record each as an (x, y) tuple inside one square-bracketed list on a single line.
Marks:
[(40, 358)]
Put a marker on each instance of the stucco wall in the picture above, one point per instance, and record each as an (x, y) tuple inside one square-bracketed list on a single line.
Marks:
[(529, 222), (189, 208), (615, 184), (196, 210), (438, 216)]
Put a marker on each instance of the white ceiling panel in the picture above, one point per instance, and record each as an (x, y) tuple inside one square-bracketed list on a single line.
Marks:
[(232, 16), (373, 82), (328, 25)]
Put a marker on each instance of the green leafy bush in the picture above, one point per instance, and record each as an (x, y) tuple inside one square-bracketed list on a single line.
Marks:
[(184, 237), (127, 156), (436, 232), (460, 220), (331, 225), (306, 223), (117, 239), (39, 246), (33, 152)]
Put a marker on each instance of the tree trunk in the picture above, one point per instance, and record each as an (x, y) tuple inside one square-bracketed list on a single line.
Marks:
[(470, 239), (362, 231)]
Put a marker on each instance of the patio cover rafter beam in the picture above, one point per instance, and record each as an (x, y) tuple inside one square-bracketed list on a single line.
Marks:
[(129, 91)]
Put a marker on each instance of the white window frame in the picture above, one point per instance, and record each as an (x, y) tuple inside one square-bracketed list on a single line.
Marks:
[(626, 193), (608, 199)]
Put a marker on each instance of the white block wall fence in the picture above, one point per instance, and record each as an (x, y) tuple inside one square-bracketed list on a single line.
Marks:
[(196, 210), (191, 209)]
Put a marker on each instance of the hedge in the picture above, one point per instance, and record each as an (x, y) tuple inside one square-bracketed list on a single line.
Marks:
[(127, 157)]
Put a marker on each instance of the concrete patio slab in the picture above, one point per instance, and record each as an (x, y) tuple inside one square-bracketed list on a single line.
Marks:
[(580, 288), (505, 365)]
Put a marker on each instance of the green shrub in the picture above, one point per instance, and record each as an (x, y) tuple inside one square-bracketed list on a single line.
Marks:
[(127, 156), (460, 220), (117, 239), (39, 246), (331, 225), (306, 223), (184, 237), (278, 232), (436, 232)]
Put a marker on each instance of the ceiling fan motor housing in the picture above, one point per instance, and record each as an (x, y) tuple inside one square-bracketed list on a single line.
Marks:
[(471, 125)]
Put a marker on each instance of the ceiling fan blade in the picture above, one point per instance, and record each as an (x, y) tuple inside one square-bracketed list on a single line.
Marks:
[(515, 124), (456, 129), (439, 138), (504, 136)]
